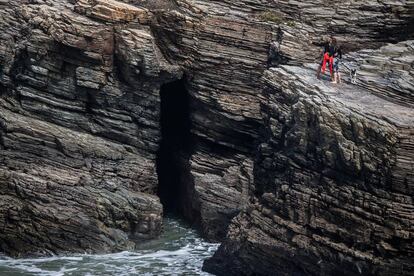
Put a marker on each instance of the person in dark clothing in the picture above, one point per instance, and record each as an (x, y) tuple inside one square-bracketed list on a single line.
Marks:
[(337, 58)]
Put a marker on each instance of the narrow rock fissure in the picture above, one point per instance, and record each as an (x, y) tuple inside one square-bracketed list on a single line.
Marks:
[(175, 148)]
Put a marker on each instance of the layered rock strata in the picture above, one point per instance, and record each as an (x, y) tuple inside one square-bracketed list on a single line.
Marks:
[(79, 129), (223, 46), (80, 103), (387, 72), (221, 57), (334, 182)]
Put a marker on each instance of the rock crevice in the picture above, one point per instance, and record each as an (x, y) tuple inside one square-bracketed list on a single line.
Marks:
[(293, 174), (326, 176)]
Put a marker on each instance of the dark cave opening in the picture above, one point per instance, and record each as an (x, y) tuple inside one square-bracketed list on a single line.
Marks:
[(173, 154)]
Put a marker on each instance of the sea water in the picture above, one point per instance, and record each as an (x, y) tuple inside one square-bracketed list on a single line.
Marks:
[(178, 251)]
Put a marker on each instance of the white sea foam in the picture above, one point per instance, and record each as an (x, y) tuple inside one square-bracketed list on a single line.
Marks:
[(178, 251)]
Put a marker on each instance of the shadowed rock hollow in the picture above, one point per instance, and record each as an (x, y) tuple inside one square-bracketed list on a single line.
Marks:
[(293, 174), (175, 146)]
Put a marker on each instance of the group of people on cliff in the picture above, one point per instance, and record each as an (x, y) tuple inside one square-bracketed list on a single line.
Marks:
[(331, 56)]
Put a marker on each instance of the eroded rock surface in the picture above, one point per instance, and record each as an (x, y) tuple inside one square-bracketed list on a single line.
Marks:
[(386, 72), (322, 176), (223, 47), (79, 129), (334, 183)]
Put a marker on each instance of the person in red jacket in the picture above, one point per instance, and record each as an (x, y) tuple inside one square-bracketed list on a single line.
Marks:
[(328, 57)]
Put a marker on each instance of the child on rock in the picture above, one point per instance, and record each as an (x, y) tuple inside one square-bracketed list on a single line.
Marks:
[(337, 58)]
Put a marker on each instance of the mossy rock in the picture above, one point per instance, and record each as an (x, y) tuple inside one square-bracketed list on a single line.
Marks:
[(272, 16), (277, 18)]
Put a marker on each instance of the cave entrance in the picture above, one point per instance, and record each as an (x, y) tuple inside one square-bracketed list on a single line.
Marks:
[(174, 151)]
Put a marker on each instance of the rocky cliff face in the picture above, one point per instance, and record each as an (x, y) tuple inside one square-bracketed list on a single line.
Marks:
[(302, 167), (79, 129), (223, 45), (334, 183)]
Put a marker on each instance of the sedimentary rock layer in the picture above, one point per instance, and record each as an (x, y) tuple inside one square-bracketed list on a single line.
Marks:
[(79, 131), (386, 72), (328, 190), (334, 183), (223, 47)]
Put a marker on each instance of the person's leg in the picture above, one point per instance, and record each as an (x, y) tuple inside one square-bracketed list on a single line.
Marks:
[(318, 73), (325, 60), (334, 80), (339, 77), (335, 71), (331, 61)]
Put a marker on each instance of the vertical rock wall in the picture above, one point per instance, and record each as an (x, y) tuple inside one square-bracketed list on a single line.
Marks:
[(334, 183), (223, 58), (223, 46), (79, 129), (305, 169)]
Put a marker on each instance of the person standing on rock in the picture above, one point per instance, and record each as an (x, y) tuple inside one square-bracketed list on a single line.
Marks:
[(337, 58), (327, 57)]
